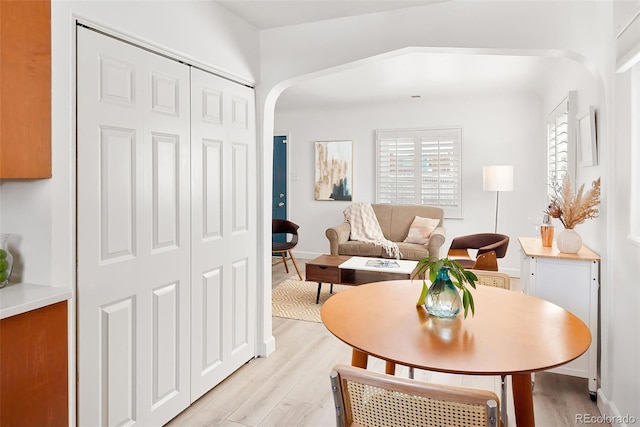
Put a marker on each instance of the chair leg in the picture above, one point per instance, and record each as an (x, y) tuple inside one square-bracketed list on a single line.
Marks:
[(533, 381), (284, 259), (337, 400), (486, 261), (389, 368), (295, 264), (503, 401)]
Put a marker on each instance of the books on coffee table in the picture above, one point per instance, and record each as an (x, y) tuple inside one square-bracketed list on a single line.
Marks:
[(382, 263)]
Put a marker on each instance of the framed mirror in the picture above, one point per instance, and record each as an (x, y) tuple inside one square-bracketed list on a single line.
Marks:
[(587, 145)]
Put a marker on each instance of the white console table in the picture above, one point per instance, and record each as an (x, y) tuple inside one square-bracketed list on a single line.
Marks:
[(572, 282)]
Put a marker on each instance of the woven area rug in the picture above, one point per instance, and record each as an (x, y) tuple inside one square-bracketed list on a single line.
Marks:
[(296, 299)]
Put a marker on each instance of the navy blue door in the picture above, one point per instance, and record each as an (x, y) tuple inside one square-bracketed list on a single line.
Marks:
[(279, 196)]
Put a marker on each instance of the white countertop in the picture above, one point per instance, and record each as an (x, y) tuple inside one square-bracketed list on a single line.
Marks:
[(532, 247), (18, 298)]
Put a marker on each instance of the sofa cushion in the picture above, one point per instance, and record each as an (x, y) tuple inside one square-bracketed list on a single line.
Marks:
[(421, 229), (413, 251), (383, 213), (395, 220), (356, 248), (408, 250)]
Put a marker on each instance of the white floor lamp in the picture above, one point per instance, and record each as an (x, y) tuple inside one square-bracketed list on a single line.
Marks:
[(497, 178)]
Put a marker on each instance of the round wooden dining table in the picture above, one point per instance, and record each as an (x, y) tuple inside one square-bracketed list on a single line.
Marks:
[(510, 334)]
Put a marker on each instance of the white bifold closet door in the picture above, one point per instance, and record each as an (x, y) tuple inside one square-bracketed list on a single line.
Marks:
[(159, 298), (223, 222)]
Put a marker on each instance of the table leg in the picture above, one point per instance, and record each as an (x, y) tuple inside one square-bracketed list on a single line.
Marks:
[(318, 296), (523, 400), (389, 368), (359, 359)]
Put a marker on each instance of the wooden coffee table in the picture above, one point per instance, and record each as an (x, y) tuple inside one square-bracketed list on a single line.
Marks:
[(348, 270)]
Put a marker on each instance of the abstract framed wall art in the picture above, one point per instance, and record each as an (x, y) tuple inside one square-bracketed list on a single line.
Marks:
[(334, 170)]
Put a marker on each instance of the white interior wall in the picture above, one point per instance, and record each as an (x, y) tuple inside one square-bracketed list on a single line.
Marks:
[(624, 346), (620, 346), (579, 30), (582, 29), (496, 130), (545, 29), (42, 212), (297, 53), (620, 319), (573, 76)]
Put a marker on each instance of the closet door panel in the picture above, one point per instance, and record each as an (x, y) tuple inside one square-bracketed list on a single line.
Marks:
[(223, 228), (240, 304), (166, 232), (166, 191), (212, 189), (240, 190), (118, 363), (211, 333), (133, 234)]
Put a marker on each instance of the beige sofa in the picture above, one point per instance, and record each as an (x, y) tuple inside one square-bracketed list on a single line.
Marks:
[(394, 221)]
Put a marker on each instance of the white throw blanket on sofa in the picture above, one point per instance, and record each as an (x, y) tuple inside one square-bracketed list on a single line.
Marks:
[(365, 228)]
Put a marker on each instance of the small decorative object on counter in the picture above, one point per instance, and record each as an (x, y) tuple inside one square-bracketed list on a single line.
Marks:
[(448, 278), (546, 231), (573, 209), (443, 298), (569, 241), (6, 260)]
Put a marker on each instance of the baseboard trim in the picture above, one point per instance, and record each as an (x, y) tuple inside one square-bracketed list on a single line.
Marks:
[(306, 255), (267, 347), (610, 413)]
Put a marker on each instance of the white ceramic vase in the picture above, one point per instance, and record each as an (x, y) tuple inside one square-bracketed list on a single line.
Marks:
[(568, 241)]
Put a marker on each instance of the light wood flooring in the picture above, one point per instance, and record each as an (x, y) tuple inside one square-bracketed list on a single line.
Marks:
[(291, 386)]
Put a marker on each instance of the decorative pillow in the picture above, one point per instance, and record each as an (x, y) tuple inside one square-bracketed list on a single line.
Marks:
[(421, 229)]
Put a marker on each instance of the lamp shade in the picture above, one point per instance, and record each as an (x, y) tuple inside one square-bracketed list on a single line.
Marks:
[(497, 178)]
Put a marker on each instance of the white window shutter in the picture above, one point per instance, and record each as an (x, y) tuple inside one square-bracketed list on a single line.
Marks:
[(561, 145), (420, 167)]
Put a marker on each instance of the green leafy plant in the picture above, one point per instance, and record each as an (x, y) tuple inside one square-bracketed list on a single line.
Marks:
[(458, 274), (4, 266)]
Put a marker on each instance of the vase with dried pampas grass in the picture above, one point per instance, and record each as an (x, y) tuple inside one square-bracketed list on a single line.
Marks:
[(573, 209)]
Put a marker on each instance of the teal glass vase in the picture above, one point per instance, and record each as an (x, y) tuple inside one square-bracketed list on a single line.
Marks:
[(443, 298)]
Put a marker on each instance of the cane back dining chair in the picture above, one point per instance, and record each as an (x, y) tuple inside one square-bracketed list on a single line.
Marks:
[(371, 399), (497, 280), (290, 232), (493, 278)]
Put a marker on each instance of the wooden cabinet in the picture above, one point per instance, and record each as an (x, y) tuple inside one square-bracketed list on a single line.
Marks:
[(570, 281), (33, 368), (25, 89)]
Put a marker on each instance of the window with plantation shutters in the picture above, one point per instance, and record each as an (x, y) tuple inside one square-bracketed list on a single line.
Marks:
[(421, 167), (561, 142)]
